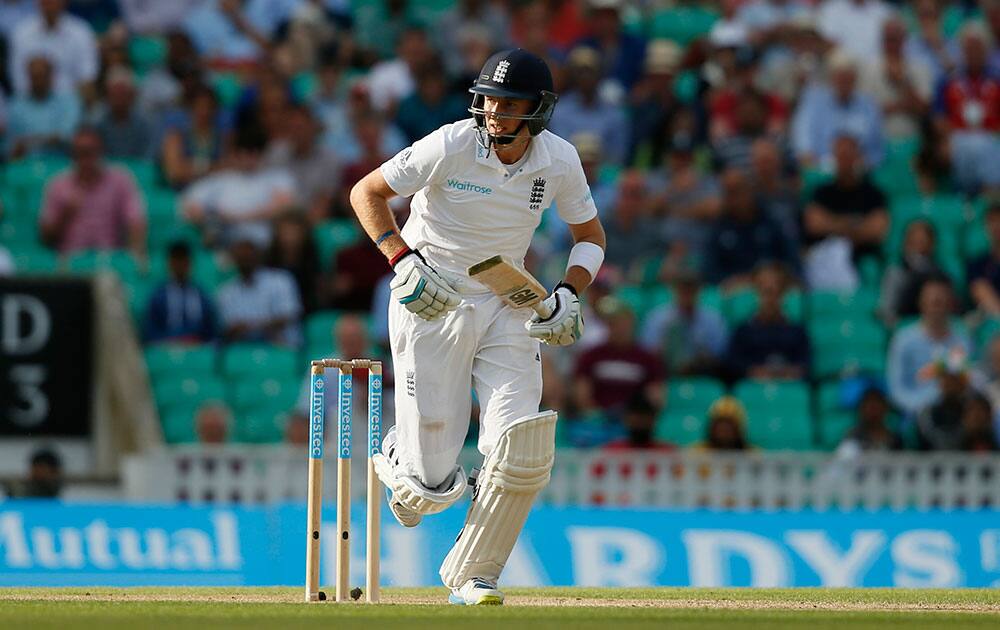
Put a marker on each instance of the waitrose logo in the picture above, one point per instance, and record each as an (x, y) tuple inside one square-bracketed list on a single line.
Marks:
[(469, 186)]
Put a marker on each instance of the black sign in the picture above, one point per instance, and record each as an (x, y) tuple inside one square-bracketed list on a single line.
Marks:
[(46, 356)]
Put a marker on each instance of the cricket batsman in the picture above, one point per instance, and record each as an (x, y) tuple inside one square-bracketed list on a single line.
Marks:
[(479, 188)]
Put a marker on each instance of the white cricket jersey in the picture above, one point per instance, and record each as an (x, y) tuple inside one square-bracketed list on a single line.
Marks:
[(467, 207)]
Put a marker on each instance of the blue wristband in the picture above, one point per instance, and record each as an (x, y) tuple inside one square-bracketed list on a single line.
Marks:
[(379, 240)]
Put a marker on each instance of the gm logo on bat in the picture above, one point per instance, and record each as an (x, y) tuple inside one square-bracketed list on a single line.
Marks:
[(523, 296)]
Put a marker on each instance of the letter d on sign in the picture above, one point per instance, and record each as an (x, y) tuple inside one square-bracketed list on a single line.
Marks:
[(17, 309)]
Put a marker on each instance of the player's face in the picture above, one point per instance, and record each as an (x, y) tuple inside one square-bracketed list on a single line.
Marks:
[(498, 111)]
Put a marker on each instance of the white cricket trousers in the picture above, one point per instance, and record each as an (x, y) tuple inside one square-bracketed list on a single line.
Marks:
[(481, 345)]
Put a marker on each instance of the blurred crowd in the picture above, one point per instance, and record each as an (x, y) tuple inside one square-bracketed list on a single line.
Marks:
[(749, 159)]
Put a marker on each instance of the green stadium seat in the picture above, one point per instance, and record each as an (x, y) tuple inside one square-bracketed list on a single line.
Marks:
[(178, 426), (693, 394), (228, 89), (832, 304), (833, 427), (263, 427), (186, 391), (180, 360), (740, 306), (256, 361), (682, 24), (633, 296), (332, 236), (144, 171), (146, 52), (682, 428), (778, 416), (986, 332), (811, 180), (268, 394), (870, 270), (119, 261), (828, 398), (162, 202), (847, 345), (897, 179), (319, 329), (34, 260)]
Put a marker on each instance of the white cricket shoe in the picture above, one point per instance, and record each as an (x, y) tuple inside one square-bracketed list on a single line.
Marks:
[(404, 515), (476, 592)]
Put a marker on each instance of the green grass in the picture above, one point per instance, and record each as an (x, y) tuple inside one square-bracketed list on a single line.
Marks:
[(527, 609)]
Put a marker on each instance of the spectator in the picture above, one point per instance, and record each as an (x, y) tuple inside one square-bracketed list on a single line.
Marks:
[(968, 103), (357, 270), (978, 432), (872, 432), (12, 12), (614, 375), (834, 109), (902, 86), (928, 43), (125, 131), (854, 24), (940, 425), (690, 338), (622, 52), (632, 233), (734, 141), (991, 15), (726, 430), (639, 421), (194, 139), (465, 15), (93, 206), (986, 378), (369, 130), (165, 87), (902, 280), (687, 198), (768, 346), (44, 477), (314, 168), (226, 35), (776, 189), (294, 250), (393, 80), (212, 423), (179, 310), (653, 102), (983, 272), (591, 152), (744, 238), (582, 107), (850, 207), (260, 304), (246, 194), (41, 121), (430, 106), (64, 39), (916, 347), (341, 119)]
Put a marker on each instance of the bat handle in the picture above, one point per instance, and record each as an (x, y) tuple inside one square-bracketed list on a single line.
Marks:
[(543, 310)]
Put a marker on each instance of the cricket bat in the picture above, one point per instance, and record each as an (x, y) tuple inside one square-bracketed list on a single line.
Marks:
[(512, 284)]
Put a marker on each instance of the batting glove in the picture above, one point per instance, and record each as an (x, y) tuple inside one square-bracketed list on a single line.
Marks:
[(421, 289), (564, 325)]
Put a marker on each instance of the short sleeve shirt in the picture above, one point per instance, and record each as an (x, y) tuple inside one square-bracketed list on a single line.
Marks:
[(466, 205)]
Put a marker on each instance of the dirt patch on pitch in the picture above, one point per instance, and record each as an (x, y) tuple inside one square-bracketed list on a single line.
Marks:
[(712, 604)]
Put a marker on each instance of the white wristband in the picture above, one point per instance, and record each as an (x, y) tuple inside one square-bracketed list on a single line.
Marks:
[(587, 255)]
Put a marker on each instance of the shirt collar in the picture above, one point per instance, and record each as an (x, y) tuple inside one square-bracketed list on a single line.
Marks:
[(538, 158)]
